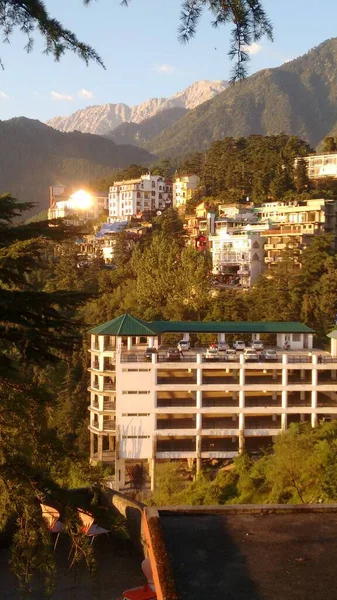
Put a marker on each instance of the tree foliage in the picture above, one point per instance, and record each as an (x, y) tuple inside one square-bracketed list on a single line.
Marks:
[(250, 23), (300, 468)]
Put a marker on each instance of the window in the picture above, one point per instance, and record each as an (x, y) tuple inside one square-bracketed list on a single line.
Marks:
[(135, 414), (153, 193), (296, 337)]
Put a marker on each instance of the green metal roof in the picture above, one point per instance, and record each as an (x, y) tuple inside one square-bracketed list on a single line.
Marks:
[(130, 326), (231, 327), (124, 325), (333, 334)]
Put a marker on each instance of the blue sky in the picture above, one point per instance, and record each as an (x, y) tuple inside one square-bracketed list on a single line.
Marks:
[(142, 55)]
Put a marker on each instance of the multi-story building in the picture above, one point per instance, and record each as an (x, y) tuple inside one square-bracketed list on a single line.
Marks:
[(293, 224), (143, 411), (138, 197), (78, 206), (183, 189), (237, 258), (236, 242), (321, 166)]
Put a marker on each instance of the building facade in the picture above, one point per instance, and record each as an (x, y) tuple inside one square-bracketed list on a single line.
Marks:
[(293, 224), (183, 189), (138, 197), (80, 205), (144, 411), (321, 166)]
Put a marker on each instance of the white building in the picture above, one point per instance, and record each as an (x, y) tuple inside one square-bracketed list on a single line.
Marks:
[(236, 243), (136, 197), (321, 166), (142, 411), (76, 207), (183, 189)]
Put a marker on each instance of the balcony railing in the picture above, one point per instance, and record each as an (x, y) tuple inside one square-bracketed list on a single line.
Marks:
[(109, 425), (109, 406), (176, 424), (109, 387)]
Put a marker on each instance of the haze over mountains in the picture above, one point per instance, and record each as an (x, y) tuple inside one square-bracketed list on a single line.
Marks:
[(298, 98), (104, 118), (34, 156)]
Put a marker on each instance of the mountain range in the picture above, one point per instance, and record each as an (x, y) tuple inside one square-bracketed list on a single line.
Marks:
[(34, 156), (297, 98), (140, 133), (106, 117)]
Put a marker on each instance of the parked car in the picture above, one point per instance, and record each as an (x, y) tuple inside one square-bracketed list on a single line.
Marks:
[(251, 355), (257, 345), (230, 355), (149, 352), (269, 355), (183, 345), (173, 354), (239, 345), (211, 354), (222, 346)]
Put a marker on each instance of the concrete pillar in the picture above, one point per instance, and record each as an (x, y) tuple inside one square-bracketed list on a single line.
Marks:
[(284, 369), (333, 348), (152, 470), (242, 370), (310, 341), (129, 342), (221, 337), (154, 357), (198, 451), (137, 340), (120, 474), (284, 421), (186, 337), (241, 432), (92, 444), (199, 370), (314, 391), (100, 447), (150, 342)]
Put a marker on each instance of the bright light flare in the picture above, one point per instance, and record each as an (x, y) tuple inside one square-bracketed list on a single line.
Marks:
[(81, 200)]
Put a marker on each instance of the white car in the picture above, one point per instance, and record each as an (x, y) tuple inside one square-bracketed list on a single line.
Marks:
[(183, 345), (257, 345), (212, 354), (230, 355), (251, 355), (239, 345)]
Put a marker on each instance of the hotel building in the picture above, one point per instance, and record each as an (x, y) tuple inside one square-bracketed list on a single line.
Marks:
[(138, 197), (145, 409)]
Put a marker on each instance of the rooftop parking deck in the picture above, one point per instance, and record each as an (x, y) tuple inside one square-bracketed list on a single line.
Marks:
[(191, 356)]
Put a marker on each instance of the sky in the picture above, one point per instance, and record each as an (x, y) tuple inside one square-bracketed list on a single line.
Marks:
[(142, 55)]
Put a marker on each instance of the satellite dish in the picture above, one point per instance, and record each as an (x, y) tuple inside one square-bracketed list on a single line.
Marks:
[(158, 213)]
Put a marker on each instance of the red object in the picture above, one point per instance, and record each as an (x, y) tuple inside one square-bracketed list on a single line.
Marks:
[(142, 593)]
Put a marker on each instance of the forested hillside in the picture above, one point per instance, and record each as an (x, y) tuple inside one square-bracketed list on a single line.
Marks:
[(33, 156), (258, 167), (298, 98), (139, 133)]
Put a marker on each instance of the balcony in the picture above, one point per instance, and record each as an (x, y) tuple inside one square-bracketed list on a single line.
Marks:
[(109, 425), (178, 423), (176, 402), (220, 402), (109, 406)]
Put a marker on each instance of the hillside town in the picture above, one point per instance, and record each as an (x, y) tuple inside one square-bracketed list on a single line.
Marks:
[(168, 294)]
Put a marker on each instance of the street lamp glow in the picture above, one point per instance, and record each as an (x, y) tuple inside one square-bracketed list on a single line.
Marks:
[(81, 200)]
